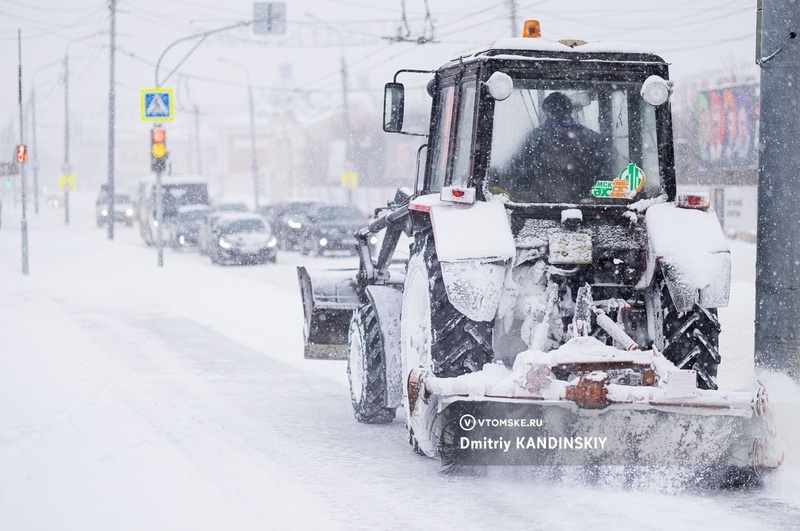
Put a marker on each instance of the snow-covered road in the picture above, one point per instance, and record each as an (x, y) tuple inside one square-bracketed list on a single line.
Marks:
[(137, 397)]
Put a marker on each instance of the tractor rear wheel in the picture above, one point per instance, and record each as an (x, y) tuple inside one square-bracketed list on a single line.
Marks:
[(459, 345), (688, 339), (435, 338), (366, 368)]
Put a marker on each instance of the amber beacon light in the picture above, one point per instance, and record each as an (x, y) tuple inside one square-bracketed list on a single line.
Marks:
[(532, 29)]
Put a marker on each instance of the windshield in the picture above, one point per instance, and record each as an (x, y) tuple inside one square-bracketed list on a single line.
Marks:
[(567, 142), (233, 207), (122, 198), (332, 213), (243, 225)]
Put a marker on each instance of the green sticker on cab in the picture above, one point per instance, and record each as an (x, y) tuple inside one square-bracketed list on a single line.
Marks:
[(628, 183)]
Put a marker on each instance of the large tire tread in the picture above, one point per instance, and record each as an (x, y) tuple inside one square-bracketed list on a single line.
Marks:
[(691, 339), (371, 408), (459, 344)]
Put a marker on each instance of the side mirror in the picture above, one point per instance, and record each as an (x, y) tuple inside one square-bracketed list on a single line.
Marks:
[(500, 86), (393, 96), (656, 90)]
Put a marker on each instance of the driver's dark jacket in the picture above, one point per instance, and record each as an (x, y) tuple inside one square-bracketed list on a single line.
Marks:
[(558, 163)]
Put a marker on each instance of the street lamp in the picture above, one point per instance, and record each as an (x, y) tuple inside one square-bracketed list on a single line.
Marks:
[(67, 166), (34, 146), (254, 158)]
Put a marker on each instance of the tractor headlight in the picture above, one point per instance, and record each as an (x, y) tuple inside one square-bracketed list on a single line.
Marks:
[(373, 240)]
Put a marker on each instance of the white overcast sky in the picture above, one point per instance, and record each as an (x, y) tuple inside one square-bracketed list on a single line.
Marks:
[(696, 36)]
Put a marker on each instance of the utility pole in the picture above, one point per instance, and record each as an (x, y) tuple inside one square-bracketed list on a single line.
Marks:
[(111, 96), (251, 107), (777, 338), (24, 223), (196, 112), (67, 167), (512, 12), (253, 157), (35, 153), (348, 150)]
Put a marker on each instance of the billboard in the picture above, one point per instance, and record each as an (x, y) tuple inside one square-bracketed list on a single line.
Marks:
[(727, 127)]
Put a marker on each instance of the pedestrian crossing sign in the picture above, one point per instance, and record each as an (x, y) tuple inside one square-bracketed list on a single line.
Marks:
[(157, 105)]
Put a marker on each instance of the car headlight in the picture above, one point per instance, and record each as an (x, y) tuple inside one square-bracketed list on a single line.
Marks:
[(294, 224), (323, 242), (225, 244), (104, 212), (129, 212), (272, 242)]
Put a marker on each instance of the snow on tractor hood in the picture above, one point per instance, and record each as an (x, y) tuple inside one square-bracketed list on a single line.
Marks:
[(514, 44), (693, 253)]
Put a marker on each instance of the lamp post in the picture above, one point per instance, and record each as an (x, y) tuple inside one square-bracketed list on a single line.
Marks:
[(67, 166), (253, 156), (35, 151)]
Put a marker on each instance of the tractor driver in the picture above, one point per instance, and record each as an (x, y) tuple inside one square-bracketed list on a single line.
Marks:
[(559, 161)]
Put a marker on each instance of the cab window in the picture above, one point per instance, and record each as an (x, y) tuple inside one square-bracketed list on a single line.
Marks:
[(463, 143), (443, 138)]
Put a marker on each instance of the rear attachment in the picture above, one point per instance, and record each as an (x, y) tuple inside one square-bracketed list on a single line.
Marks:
[(328, 305), (614, 408)]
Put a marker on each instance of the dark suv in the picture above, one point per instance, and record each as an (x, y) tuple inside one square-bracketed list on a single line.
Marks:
[(124, 209), (331, 228), (288, 222)]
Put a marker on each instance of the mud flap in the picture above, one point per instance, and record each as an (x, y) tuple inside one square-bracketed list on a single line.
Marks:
[(388, 301), (328, 304)]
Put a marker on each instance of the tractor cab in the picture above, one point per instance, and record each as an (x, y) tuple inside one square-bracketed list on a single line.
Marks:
[(538, 122)]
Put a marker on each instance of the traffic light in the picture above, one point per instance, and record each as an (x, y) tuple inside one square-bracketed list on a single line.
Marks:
[(22, 153), (158, 149)]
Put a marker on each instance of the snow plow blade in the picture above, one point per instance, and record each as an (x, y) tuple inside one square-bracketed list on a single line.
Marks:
[(328, 304), (616, 408)]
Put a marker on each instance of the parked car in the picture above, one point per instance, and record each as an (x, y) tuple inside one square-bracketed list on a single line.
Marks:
[(185, 232), (287, 222), (240, 238), (331, 228), (124, 209)]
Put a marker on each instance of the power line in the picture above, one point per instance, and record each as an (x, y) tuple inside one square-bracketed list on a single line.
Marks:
[(710, 44), (40, 9)]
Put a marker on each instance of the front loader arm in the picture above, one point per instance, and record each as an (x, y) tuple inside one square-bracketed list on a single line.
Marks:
[(396, 222)]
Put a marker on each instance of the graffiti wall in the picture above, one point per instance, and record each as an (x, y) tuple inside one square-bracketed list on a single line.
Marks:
[(727, 127)]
